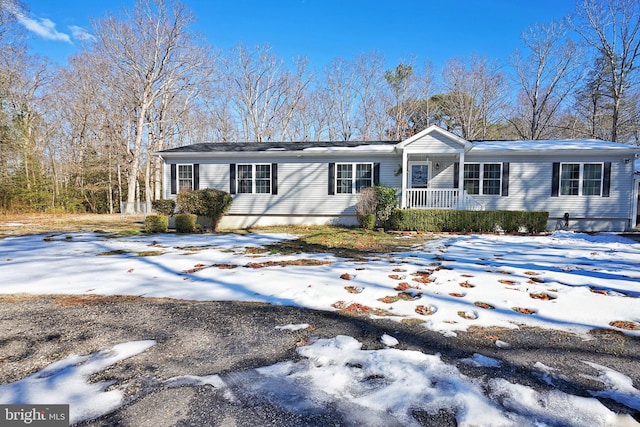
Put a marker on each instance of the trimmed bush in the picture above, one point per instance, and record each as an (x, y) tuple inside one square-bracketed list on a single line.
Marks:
[(186, 223), (437, 220), (164, 206), (210, 203), (369, 221), (387, 202), (156, 223)]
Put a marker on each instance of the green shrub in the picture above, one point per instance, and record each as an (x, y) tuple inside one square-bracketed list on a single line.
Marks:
[(387, 202), (210, 203), (437, 220), (156, 223), (186, 223), (164, 206), (369, 221)]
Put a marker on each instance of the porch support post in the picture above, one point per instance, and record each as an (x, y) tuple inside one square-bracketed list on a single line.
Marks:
[(461, 198), (635, 201), (403, 186)]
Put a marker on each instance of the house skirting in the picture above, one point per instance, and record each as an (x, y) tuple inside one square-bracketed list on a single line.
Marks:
[(591, 225), (246, 221)]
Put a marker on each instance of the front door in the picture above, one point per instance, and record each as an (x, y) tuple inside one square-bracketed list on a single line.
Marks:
[(419, 174)]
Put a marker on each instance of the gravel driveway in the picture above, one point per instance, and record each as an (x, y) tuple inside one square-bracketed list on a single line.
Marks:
[(206, 338)]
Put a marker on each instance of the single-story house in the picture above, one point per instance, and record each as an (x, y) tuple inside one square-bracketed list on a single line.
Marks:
[(588, 184)]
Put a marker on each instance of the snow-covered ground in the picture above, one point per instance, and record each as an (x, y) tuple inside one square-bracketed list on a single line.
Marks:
[(568, 281)]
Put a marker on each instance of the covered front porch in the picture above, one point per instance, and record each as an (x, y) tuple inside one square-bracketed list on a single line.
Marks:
[(433, 172)]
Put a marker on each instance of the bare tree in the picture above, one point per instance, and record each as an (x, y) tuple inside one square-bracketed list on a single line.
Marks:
[(371, 117), (149, 50), (545, 76), (476, 94), (264, 93), (341, 82), (612, 27)]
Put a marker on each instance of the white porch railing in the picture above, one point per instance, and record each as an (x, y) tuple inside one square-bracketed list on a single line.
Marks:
[(448, 198)]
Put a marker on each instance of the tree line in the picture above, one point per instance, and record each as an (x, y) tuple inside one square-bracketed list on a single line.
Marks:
[(80, 137)]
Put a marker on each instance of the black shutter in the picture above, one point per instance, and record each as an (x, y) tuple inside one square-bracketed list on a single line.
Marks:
[(555, 180), (606, 180), (274, 178), (376, 174), (196, 176), (174, 182), (456, 175), (332, 179), (232, 178), (505, 179)]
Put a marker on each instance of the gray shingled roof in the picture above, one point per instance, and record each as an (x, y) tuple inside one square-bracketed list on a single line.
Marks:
[(270, 146)]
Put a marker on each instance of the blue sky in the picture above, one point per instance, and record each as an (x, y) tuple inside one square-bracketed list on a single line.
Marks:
[(434, 30)]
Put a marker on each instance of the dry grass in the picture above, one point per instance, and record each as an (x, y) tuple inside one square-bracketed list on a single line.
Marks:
[(341, 241), (18, 225)]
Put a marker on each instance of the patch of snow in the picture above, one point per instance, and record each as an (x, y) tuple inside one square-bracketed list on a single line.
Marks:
[(389, 341), (67, 382), (568, 281), (373, 148), (620, 386), (482, 361), (297, 327), (384, 387), (552, 144)]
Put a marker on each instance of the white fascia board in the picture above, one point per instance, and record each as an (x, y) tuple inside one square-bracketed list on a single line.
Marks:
[(321, 152)]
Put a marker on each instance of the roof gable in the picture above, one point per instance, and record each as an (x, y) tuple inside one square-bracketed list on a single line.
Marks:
[(437, 139)]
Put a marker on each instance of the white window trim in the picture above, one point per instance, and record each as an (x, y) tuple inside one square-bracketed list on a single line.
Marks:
[(581, 179), (353, 175), (253, 177), (190, 165), (481, 178)]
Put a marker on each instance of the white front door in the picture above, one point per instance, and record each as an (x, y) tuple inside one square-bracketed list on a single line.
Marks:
[(419, 174)]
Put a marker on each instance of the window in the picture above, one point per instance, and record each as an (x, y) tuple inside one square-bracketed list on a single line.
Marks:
[(185, 177), (245, 178), (472, 178), (491, 178), (364, 176), (353, 177), (344, 178), (263, 179), (254, 178), (592, 179), (581, 179), (483, 178)]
